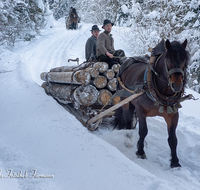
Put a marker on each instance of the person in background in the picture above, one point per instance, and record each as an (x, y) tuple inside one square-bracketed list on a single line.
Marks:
[(90, 46), (105, 46)]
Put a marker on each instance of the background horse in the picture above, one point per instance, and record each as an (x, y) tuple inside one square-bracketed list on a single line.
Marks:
[(162, 96), (73, 18)]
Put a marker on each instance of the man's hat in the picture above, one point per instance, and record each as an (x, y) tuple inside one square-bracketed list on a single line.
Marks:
[(106, 21), (95, 28)]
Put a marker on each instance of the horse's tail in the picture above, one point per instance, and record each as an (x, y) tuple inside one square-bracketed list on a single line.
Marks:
[(124, 118)]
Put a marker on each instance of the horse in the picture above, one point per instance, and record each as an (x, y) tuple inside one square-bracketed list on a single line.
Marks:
[(73, 18), (161, 96)]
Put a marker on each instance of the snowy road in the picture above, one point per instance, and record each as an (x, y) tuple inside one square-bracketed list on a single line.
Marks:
[(38, 134)]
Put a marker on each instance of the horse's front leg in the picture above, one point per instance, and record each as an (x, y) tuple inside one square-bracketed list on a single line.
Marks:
[(172, 139), (142, 133)]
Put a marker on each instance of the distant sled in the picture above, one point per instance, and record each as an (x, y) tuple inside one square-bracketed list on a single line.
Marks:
[(72, 20)]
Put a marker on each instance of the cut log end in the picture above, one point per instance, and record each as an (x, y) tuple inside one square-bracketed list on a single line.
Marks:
[(109, 74), (86, 95), (43, 76), (112, 84), (104, 97), (101, 66), (100, 81), (94, 72), (116, 67), (82, 77), (116, 100)]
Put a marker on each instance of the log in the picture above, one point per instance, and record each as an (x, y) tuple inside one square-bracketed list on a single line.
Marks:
[(109, 74), (45, 86), (101, 66), (61, 92), (106, 112), (104, 96), (58, 77), (94, 72), (80, 77), (100, 81), (43, 76), (112, 84), (116, 100), (86, 95), (64, 69), (116, 67)]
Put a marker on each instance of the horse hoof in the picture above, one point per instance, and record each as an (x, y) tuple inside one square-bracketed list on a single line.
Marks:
[(175, 165), (142, 156)]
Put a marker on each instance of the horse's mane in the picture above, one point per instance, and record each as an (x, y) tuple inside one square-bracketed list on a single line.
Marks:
[(177, 54)]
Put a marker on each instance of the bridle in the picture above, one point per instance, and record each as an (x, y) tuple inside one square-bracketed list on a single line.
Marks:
[(168, 72), (172, 71)]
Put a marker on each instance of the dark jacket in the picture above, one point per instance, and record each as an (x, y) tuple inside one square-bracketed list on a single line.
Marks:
[(105, 43), (90, 48)]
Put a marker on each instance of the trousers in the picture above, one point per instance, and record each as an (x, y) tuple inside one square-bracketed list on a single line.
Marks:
[(112, 61)]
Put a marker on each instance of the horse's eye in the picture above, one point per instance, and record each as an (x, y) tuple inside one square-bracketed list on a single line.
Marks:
[(167, 60)]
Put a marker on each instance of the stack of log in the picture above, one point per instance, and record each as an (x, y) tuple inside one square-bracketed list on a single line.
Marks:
[(93, 85)]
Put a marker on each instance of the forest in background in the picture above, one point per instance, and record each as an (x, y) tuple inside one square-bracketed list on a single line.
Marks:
[(147, 22)]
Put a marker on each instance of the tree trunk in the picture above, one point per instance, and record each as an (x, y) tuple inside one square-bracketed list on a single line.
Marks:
[(86, 95), (100, 81), (104, 96)]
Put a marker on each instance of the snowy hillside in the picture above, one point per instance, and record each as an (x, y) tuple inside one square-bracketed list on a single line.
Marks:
[(43, 147)]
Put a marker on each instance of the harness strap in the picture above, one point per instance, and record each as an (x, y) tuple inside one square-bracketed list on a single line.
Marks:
[(122, 85)]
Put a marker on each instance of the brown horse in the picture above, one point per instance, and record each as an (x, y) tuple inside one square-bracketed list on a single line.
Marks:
[(73, 18), (161, 97)]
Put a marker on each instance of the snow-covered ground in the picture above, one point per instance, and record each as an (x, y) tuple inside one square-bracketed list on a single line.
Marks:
[(43, 147)]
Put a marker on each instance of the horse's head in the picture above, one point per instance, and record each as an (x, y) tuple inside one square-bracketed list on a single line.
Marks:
[(176, 61)]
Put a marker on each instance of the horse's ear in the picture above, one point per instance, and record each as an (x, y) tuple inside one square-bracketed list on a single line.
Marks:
[(184, 44), (168, 44)]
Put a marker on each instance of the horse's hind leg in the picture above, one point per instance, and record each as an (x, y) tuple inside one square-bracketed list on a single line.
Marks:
[(142, 133), (124, 117)]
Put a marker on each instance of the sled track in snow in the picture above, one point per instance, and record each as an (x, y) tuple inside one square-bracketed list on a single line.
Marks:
[(57, 52)]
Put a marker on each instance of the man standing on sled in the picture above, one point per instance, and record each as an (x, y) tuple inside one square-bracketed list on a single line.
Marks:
[(105, 46)]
